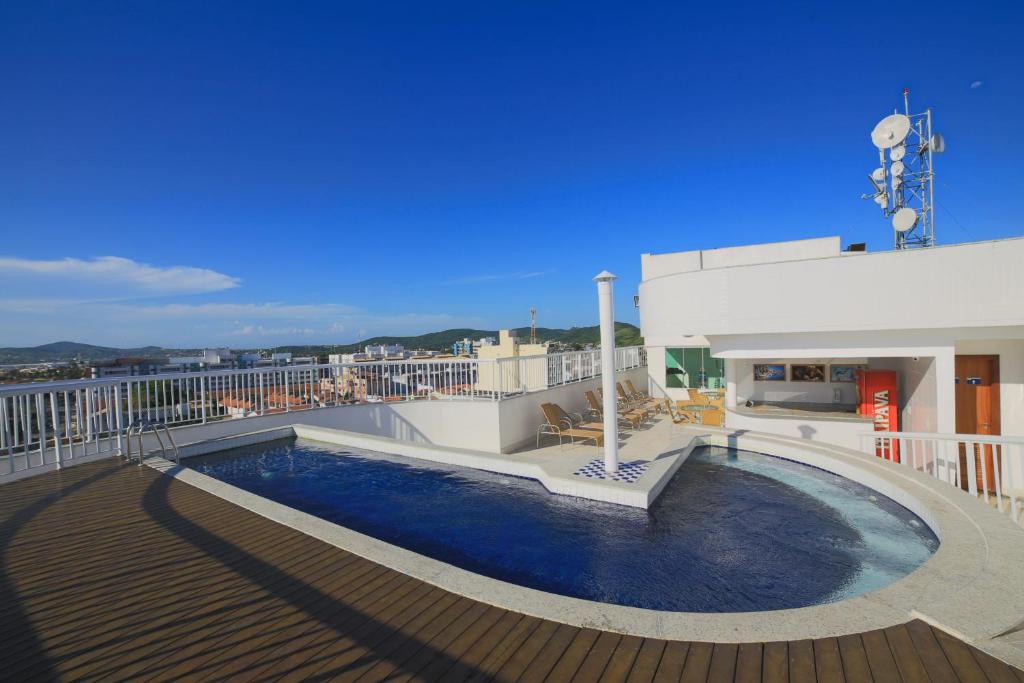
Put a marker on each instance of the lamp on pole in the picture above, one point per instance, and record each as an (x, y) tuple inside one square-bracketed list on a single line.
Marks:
[(606, 307)]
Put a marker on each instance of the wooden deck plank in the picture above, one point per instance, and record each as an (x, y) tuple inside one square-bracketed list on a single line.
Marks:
[(995, 670), (597, 658), (242, 598), (801, 661), (698, 663), (458, 649), (235, 650), (905, 654), (775, 665), (880, 657), (855, 661), (828, 664), (964, 664), (930, 652), (422, 650), (723, 663), (518, 662), (621, 662), (474, 657), (670, 668), (293, 656), (748, 662), (569, 663), (647, 660), (505, 648), (550, 654)]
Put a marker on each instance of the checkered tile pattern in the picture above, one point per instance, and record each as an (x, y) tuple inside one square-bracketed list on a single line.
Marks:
[(628, 472)]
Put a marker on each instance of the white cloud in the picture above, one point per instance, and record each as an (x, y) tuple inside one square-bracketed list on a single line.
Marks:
[(976, 84), (122, 324), (495, 277), (261, 331), (115, 301), (114, 272)]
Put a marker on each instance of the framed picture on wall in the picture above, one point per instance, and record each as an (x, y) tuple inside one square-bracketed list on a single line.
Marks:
[(843, 373), (769, 372), (807, 373)]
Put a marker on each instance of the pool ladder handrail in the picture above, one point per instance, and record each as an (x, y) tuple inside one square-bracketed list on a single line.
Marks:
[(138, 428)]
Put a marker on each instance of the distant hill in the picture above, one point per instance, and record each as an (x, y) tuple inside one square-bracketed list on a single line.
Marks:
[(66, 351), (625, 335)]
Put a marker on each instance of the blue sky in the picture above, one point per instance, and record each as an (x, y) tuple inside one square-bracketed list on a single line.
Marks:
[(261, 174)]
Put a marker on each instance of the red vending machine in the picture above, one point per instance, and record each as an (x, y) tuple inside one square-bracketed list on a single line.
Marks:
[(879, 400)]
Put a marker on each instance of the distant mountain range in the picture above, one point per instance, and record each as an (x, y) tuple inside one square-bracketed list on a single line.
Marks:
[(625, 335)]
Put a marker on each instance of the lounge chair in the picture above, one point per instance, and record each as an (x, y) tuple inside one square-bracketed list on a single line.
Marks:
[(625, 403), (551, 426), (630, 419), (564, 419), (677, 417), (712, 418), (642, 402)]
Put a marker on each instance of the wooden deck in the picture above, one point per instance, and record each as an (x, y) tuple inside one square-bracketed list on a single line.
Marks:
[(112, 571)]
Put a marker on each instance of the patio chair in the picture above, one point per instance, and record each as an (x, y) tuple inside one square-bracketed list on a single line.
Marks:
[(628, 409), (551, 426), (569, 419), (643, 402), (677, 417), (634, 391), (628, 419), (712, 418)]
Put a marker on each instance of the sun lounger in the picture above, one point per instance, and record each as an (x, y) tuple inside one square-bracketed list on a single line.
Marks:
[(574, 434), (555, 414), (630, 419), (638, 401)]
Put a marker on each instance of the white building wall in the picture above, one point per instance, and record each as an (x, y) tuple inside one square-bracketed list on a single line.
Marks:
[(521, 415), (975, 285)]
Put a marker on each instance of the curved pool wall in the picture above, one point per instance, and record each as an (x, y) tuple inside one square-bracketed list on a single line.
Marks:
[(733, 531), (966, 588)]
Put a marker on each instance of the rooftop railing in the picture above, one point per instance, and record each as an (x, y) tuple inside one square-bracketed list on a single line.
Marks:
[(44, 425), (988, 467)]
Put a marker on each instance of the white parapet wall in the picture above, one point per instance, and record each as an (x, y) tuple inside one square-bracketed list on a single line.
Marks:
[(521, 415)]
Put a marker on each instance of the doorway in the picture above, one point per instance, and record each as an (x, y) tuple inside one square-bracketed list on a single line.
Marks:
[(977, 412)]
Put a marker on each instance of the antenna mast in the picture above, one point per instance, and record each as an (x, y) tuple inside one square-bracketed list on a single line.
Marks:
[(905, 190), (533, 325)]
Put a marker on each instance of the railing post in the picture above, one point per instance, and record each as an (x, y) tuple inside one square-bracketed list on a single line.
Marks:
[(119, 419), (972, 478), (202, 397)]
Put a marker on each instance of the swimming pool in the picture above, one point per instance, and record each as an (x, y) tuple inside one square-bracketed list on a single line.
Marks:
[(733, 531)]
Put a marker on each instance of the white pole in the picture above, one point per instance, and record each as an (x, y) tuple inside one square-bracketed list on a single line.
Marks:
[(611, 424)]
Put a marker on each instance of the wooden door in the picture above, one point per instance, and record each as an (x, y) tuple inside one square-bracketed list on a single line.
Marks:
[(977, 412)]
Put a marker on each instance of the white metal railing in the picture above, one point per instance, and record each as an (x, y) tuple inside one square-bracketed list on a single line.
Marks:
[(46, 424), (989, 467)]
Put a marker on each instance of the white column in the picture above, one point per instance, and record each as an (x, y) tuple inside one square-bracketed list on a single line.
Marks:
[(730, 383), (606, 306)]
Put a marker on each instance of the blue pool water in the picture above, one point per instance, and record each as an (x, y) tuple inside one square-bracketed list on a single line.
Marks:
[(733, 530)]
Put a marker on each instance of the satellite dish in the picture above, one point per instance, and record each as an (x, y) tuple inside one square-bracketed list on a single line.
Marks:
[(937, 143), (878, 175), (897, 153), (890, 131), (897, 168), (904, 220)]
